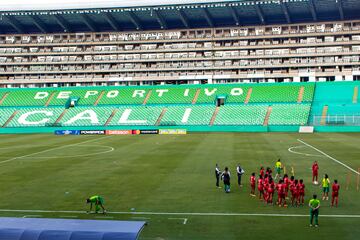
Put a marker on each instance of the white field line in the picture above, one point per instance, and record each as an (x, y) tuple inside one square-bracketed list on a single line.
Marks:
[(51, 149), (330, 157), (189, 213), (183, 219), (290, 149)]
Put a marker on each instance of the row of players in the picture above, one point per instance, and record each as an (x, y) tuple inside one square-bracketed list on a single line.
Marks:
[(266, 185)]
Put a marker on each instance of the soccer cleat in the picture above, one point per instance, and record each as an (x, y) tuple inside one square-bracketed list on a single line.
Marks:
[(310, 225), (316, 225)]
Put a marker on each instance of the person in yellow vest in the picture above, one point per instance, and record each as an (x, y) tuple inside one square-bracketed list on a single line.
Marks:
[(325, 187), (278, 167), (98, 201), (314, 205)]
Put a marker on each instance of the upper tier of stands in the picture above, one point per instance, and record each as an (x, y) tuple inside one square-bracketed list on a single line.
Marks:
[(182, 94)]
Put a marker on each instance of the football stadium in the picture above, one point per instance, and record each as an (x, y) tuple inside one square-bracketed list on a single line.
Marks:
[(182, 119)]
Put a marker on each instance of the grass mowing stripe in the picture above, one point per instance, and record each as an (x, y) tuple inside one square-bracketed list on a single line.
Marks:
[(51, 149), (330, 157), (190, 213)]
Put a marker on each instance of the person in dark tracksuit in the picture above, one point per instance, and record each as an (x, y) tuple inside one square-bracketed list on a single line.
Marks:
[(239, 172), (217, 175), (225, 176)]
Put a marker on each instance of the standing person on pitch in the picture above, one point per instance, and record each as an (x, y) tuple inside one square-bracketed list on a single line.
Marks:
[(252, 184), (325, 187), (301, 194), (225, 176), (261, 187), (270, 190), (315, 172), (287, 183), (217, 175), (335, 193), (278, 167), (239, 172), (314, 205)]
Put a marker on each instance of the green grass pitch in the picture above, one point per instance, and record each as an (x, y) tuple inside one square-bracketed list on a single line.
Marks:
[(160, 174)]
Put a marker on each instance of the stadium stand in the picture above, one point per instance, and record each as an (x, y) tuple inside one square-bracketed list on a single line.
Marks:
[(245, 104)]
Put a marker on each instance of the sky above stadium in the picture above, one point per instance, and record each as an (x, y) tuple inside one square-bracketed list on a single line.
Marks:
[(18, 5)]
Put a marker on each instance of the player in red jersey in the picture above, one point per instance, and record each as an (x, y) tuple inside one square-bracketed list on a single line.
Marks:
[(294, 193), (315, 172), (252, 184), (262, 171), (280, 187), (301, 192), (286, 184), (265, 186), (291, 181), (261, 187), (270, 191), (284, 187), (335, 193), (268, 172)]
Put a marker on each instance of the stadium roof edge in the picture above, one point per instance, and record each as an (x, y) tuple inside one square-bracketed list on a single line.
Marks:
[(36, 5), (156, 15)]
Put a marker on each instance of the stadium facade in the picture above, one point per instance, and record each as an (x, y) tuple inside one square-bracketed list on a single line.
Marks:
[(192, 43)]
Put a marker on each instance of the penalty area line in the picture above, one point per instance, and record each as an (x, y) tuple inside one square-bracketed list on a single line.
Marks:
[(51, 149), (330, 157), (189, 213)]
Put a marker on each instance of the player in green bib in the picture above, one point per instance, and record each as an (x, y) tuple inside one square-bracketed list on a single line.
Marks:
[(314, 205), (278, 167), (326, 187), (98, 201)]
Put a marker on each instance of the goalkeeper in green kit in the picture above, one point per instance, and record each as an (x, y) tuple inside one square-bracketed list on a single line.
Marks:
[(314, 205), (98, 201)]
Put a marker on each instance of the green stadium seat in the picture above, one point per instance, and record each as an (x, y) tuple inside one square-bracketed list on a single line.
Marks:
[(275, 93), (181, 94), (41, 117), (25, 97), (94, 116), (238, 95), (289, 114), (188, 115), (124, 96), (5, 114), (136, 115), (241, 115)]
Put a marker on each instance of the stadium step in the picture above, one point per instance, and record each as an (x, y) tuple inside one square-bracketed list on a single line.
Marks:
[(3, 98), (99, 98), (111, 116), (301, 94), (324, 114), (49, 100), (148, 95), (158, 121), (60, 117), (196, 96), (10, 118), (213, 118), (248, 96), (267, 116), (356, 94)]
